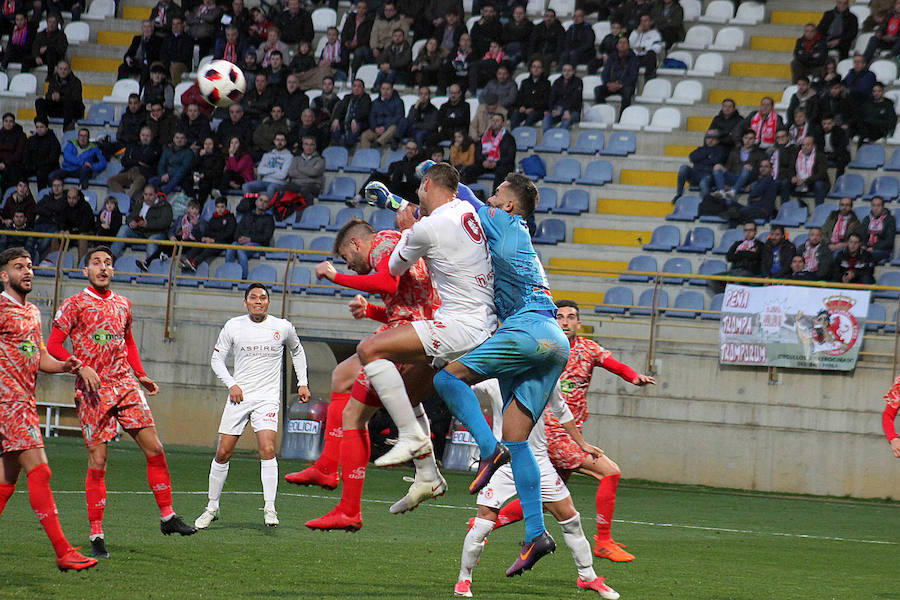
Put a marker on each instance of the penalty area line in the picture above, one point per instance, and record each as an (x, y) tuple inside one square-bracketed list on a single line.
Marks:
[(470, 508)]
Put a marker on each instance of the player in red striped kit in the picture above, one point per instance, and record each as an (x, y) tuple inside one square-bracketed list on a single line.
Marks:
[(106, 392), (22, 353), (407, 298), (565, 455), (892, 400)]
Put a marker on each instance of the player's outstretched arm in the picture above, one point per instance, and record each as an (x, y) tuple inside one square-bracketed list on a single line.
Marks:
[(626, 372), (361, 308), (378, 281), (377, 194)]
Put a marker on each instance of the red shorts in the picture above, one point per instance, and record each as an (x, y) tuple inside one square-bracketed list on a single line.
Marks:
[(100, 411), (361, 390), (20, 427), (563, 451)]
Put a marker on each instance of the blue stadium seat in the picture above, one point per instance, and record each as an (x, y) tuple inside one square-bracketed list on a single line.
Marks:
[(90, 196), (292, 241), (850, 185), (885, 186), (645, 302), (862, 211), (315, 217), (868, 156), (566, 170), (390, 157), (620, 143), (876, 317), (821, 213), (891, 326), (339, 190), (555, 140), (77, 273), (382, 219), (894, 163), (365, 160), (343, 217), (714, 313), (526, 137), (265, 274), (676, 265), (321, 287), (9, 191), (194, 279), (550, 231), (113, 167), (124, 201), (300, 280), (700, 241), (597, 172), (546, 200), (225, 271), (712, 219), (686, 209), (642, 262), (573, 202), (616, 295), (713, 266), (665, 238), (126, 269), (157, 273), (728, 238), (791, 214), (691, 304), (590, 141), (323, 243), (335, 158), (289, 221), (800, 240), (209, 207), (891, 278), (99, 114), (49, 264)]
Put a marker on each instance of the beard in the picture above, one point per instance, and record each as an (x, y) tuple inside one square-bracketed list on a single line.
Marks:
[(19, 287)]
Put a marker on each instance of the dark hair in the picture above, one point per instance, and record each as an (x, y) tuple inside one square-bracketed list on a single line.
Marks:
[(94, 250), (44, 120), (877, 196), (398, 29), (733, 103), (802, 78), (467, 141), (138, 96), (351, 226), (777, 228), (10, 254), (568, 304), (855, 234), (241, 151), (526, 193), (255, 286), (878, 84), (444, 175), (274, 52)]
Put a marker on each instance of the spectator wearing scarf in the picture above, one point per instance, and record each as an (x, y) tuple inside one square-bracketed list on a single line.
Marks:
[(495, 154), (878, 229)]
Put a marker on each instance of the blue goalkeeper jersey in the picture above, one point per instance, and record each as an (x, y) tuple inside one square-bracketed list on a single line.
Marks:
[(520, 284)]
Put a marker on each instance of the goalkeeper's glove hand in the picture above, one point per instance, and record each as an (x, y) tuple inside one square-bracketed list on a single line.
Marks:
[(377, 194), (423, 167)]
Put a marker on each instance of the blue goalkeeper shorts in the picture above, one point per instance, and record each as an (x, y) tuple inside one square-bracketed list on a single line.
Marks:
[(527, 354)]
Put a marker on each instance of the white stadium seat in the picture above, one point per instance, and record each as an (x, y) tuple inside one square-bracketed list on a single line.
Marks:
[(728, 39), (686, 92), (655, 91), (122, 89), (664, 120), (749, 13), (692, 9), (598, 116), (885, 71), (718, 11), (681, 55), (633, 118), (323, 18), (697, 37), (100, 10), (21, 85), (708, 64), (786, 97)]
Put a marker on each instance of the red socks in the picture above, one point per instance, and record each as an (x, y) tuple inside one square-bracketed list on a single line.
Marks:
[(331, 453), (160, 485), (606, 505), (95, 493), (510, 513), (6, 490), (355, 454), (44, 508)]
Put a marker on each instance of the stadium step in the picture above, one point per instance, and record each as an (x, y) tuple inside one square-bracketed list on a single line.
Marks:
[(584, 299), (26, 114), (742, 97), (584, 264), (794, 17), (637, 208), (772, 43), (772, 71), (611, 237), (89, 63), (680, 150), (115, 38), (699, 123), (651, 178), (138, 13)]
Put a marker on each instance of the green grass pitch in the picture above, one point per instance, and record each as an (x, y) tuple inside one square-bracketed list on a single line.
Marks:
[(694, 544)]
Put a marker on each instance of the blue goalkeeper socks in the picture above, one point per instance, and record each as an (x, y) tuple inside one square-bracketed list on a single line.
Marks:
[(461, 401), (527, 476)]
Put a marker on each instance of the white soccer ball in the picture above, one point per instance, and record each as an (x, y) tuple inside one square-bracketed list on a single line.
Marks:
[(221, 83)]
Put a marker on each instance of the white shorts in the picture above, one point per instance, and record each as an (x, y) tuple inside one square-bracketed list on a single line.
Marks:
[(262, 415), (502, 486), (446, 341)]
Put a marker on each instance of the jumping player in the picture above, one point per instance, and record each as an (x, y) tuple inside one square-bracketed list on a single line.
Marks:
[(106, 392), (892, 399), (407, 298), (554, 495), (22, 353), (566, 456), (257, 341)]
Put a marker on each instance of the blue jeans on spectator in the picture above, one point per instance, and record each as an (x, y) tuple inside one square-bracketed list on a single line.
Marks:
[(348, 139), (818, 192), (688, 174), (83, 174), (736, 181), (260, 186), (168, 187), (127, 232), (513, 52), (242, 257), (38, 246), (550, 120)]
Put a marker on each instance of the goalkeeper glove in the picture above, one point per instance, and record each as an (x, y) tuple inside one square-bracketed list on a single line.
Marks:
[(377, 194), (423, 167)]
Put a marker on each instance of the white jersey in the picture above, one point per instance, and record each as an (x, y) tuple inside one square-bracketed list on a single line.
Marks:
[(489, 391), (258, 349), (455, 250)]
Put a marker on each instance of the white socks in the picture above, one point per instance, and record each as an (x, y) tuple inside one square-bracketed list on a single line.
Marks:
[(578, 544), (386, 379), (426, 468), (269, 474), (218, 473), (473, 546)]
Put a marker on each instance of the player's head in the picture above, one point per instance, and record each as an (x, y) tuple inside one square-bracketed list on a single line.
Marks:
[(98, 267), (438, 186), (568, 318), (256, 301), (15, 271), (353, 243), (517, 195)]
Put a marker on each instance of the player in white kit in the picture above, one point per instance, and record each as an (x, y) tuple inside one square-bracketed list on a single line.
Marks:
[(554, 494), (257, 341), (450, 240)]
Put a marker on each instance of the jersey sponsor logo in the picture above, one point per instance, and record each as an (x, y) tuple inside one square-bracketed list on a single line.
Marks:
[(488, 493), (276, 336), (103, 337), (28, 348), (264, 348), (271, 415), (567, 386)]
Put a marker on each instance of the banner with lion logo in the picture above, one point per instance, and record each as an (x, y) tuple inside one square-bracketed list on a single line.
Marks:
[(791, 326)]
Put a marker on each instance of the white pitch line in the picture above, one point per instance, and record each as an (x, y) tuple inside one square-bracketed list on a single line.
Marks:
[(470, 508)]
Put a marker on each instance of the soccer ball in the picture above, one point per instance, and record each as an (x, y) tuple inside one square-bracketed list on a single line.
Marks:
[(221, 83)]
